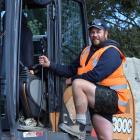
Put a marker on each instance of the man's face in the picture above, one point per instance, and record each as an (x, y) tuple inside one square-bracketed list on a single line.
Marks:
[(97, 36)]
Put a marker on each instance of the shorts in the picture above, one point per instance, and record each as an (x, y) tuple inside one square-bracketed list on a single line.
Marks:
[(106, 102)]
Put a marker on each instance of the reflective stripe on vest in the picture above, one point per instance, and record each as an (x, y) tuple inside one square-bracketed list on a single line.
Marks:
[(122, 103), (95, 61), (85, 52), (119, 87)]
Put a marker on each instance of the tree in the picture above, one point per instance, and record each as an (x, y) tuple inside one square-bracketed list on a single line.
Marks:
[(123, 17)]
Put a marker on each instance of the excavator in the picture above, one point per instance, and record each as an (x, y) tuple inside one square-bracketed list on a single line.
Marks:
[(58, 29)]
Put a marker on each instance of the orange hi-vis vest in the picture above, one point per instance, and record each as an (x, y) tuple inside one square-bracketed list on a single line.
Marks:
[(116, 80)]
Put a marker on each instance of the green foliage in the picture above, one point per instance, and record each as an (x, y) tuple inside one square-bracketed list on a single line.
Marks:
[(35, 26), (37, 20), (123, 16)]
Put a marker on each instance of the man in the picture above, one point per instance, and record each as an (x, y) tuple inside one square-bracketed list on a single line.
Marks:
[(98, 82)]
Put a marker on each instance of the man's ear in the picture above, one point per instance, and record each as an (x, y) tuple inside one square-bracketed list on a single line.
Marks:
[(106, 34)]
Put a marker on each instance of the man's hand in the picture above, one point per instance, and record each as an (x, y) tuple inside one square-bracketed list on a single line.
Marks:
[(31, 71), (44, 61)]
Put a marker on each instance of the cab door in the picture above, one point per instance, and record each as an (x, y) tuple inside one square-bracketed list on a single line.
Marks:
[(66, 35)]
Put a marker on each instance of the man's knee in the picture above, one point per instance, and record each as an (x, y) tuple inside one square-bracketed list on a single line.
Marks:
[(83, 84), (76, 83)]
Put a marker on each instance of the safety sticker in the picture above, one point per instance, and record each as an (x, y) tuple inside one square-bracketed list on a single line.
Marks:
[(32, 134)]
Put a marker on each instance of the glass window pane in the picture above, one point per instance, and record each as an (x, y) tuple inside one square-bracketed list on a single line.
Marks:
[(37, 22), (72, 31)]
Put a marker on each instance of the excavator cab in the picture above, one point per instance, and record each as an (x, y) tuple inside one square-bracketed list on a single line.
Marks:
[(28, 29)]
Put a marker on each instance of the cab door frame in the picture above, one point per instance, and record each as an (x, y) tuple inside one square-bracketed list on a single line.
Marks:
[(11, 49)]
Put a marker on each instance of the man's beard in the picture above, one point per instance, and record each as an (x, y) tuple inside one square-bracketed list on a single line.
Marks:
[(96, 42)]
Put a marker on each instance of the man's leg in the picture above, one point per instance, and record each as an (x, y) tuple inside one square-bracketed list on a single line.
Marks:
[(84, 95), (106, 105), (104, 132)]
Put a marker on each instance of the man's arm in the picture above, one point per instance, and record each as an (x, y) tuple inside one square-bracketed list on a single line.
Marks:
[(65, 70), (61, 70)]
